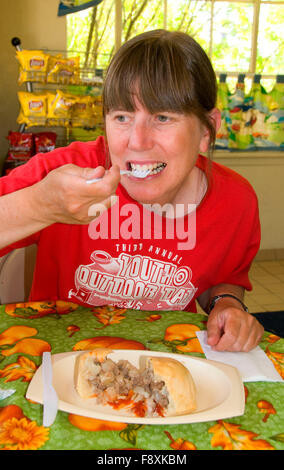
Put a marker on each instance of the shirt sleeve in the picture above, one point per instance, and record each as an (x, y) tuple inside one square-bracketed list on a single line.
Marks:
[(78, 153), (87, 154)]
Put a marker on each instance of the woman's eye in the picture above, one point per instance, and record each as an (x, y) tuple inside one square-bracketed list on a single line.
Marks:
[(162, 118), (120, 118)]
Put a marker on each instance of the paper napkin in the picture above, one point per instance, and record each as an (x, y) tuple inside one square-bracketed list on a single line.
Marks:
[(253, 366)]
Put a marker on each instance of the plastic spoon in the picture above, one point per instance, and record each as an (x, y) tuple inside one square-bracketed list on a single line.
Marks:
[(136, 173)]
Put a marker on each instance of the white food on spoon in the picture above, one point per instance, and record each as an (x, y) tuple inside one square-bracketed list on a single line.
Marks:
[(138, 169)]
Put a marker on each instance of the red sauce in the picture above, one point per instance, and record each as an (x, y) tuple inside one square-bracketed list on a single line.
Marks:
[(139, 408), (122, 402), (159, 410)]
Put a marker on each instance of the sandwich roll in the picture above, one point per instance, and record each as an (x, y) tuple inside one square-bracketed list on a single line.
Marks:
[(86, 368), (159, 387), (178, 383)]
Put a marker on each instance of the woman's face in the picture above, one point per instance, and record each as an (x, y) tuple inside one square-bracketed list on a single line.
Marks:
[(167, 143)]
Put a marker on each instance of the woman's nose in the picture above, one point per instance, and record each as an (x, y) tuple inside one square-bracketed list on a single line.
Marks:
[(140, 137)]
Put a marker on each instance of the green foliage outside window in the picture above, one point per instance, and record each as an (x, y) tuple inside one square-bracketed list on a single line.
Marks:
[(229, 43)]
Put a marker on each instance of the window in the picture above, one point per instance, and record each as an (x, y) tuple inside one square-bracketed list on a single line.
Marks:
[(241, 36)]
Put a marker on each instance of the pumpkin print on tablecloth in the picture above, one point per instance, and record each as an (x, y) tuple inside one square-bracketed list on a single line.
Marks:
[(111, 342)]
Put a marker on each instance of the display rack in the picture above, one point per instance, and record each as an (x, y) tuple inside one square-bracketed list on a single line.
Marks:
[(84, 81), (71, 92)]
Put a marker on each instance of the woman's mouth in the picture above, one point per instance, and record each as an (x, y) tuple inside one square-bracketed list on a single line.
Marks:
[(153, 168)]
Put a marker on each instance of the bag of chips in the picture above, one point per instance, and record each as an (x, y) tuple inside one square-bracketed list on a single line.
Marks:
[(83, 112), (98, 112), (258, 99), (63, 70), (20, 146), (222, 136), (240, 136), (51, 119), (33, 66), (33, 108), (44, 142), (59, 108), (275, 116)]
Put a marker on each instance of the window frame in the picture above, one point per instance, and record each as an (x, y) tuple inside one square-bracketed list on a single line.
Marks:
[(254, 38)]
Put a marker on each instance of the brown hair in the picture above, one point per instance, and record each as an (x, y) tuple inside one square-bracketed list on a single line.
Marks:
[(169, 71)]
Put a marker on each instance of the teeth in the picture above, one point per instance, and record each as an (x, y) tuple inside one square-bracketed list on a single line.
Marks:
[(154, 167)]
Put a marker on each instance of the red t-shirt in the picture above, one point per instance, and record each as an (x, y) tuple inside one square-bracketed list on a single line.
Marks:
[(130, 257)]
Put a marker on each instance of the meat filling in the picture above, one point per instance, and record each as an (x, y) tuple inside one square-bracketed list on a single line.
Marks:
[(112, 382)]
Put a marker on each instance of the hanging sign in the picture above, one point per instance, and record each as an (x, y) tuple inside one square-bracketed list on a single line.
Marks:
[(72, 6)]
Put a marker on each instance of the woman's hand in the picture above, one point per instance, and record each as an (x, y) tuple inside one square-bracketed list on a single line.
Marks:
[(61, 197), (64, 197), (230, 328)]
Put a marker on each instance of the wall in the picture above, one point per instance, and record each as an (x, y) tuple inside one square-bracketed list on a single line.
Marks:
[(36, 23), (265, 171)]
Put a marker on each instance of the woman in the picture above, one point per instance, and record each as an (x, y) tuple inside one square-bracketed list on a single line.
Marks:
[(159, 106)]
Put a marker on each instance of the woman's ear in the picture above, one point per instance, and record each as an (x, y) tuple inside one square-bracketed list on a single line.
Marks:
[(215, 117)]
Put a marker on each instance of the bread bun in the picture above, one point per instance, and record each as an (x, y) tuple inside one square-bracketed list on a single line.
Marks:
[(86, 369), (178, 382), (161, 386)]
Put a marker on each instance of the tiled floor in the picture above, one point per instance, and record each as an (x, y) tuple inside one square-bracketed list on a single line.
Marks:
[(267, 278)]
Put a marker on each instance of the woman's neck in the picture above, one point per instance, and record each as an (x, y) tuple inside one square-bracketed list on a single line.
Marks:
[(187, 199)]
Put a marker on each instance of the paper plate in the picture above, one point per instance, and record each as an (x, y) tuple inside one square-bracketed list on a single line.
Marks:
[(219, 389)]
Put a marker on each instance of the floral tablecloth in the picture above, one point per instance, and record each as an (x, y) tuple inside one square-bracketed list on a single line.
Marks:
[(29, 329)]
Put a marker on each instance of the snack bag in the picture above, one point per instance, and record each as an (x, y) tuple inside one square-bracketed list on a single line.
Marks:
[(51, 64), (275, 116), (33, 108), (21, 119), (52, 120), (259, 104), (98, 114), (44, 142), (21, 146), (63, 70), (33, 66), (222, 136), (98, 100), (50, 97), (82, 112), (240, 136), (59, 108)]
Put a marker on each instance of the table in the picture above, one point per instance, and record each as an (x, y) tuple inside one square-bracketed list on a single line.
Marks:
[(28, 329)]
